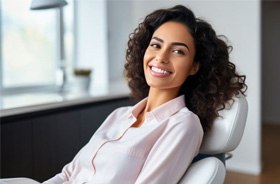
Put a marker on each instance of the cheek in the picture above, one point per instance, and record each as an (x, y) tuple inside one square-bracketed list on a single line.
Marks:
[(146, 58), (147, 55), (184, 69)]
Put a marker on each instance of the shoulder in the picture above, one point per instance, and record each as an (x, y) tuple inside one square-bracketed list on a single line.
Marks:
[(186, 120), (184, 126), (185, 116)]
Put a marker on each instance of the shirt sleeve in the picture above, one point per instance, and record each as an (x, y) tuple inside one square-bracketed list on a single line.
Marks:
[(172, 153)]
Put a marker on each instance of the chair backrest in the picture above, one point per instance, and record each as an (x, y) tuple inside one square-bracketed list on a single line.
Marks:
[(224, 136), (227, 130)]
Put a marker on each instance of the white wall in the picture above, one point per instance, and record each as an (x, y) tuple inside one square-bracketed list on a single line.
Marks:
[(240, 22), (91, 42), (119, 27), (271, 61)]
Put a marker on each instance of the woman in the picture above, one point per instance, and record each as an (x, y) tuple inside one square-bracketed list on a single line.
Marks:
[(180, 70)]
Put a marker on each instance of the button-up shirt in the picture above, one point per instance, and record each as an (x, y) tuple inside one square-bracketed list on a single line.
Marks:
[(159, 151)]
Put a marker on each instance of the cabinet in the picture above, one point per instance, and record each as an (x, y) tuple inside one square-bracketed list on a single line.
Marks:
[(37, 145)]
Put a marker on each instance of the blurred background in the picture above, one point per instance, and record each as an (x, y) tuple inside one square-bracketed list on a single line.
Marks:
[(95, 33)]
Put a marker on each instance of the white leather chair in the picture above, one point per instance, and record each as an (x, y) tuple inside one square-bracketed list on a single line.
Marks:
[(224, 136)]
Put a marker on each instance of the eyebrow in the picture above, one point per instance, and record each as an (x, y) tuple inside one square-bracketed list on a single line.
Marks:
[(173, 43)]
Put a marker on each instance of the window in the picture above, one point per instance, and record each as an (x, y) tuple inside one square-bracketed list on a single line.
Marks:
[(29, 44)]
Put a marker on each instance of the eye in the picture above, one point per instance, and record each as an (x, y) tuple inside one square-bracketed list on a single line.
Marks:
[(155, 45), (178, 51)]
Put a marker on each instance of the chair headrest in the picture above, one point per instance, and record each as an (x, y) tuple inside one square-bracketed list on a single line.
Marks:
[(227, 130)]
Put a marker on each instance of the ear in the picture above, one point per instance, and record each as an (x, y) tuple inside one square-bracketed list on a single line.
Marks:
[(195, 68)]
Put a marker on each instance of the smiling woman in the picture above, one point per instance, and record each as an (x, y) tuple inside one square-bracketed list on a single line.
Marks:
[(179, 70), (212, 80)]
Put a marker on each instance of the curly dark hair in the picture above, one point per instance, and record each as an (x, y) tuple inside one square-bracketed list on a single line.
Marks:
[(217, 80)]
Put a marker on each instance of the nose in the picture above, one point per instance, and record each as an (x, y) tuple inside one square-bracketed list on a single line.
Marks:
[(162, 56)]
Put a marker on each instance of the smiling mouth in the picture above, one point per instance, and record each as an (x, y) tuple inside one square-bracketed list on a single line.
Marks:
[(159, 72)]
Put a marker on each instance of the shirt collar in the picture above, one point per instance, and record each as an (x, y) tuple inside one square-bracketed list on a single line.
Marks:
[(162, 112)]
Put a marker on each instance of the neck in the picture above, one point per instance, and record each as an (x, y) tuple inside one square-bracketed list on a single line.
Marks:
[(158, 97)]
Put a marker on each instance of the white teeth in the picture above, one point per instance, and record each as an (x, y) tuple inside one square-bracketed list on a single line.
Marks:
[(158, 70)]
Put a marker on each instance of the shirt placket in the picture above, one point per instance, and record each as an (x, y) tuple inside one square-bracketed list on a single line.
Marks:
[(123, 131)]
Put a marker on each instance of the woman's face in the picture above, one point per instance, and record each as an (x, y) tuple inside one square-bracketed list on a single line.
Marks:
[(169, 58)]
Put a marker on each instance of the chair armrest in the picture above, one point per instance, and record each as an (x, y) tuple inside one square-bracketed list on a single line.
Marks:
[(209, 170), (18, 181)]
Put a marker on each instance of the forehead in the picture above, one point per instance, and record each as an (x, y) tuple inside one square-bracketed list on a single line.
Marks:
[(174, 32)]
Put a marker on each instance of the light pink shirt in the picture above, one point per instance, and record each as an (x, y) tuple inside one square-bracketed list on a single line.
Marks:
[(159, 151)]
